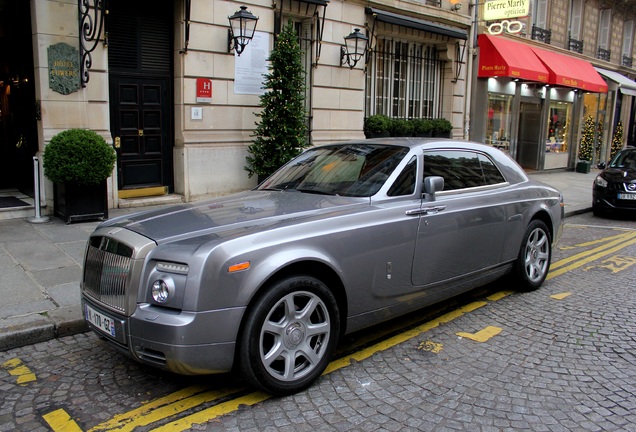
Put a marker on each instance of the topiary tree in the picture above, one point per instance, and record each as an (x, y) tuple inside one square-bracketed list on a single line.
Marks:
[(617, 140), (281, 132), (586, 148), (78, 156)]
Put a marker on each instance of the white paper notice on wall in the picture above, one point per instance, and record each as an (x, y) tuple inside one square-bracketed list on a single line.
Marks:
[(196, 113), (251, 66)]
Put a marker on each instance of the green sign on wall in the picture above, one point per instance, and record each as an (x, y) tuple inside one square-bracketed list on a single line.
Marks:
[(64, 74)]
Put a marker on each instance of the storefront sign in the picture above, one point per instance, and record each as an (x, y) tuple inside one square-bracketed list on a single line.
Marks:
[(501, 9), (64, 75), (204, 90)]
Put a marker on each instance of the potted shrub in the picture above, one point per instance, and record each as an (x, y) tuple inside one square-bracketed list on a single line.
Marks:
[(377, 126), (401, 128), (442, 128), (78, 162), (422, 127)]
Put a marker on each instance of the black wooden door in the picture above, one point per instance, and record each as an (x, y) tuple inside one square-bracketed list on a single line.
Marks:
[(140, 128), (141, 101)]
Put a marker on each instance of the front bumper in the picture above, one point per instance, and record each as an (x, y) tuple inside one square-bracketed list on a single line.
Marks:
[(189, 343), (608, 199)]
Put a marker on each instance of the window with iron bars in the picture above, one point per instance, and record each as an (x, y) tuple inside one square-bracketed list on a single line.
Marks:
[(404, 80)]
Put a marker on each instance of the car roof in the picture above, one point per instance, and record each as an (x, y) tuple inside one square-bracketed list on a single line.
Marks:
[(424, 143)]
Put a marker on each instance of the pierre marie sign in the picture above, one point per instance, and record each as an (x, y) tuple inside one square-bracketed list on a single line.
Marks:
[(502, 9)]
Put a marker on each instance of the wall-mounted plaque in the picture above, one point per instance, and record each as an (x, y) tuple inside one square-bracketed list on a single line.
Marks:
[(64, 74)]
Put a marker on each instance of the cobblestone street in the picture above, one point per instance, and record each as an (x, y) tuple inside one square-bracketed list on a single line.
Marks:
[(557, 359)]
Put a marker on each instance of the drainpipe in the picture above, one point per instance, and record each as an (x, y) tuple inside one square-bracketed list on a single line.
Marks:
[(469, 70)]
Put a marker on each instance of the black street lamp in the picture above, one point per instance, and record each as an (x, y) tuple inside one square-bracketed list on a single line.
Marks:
[(241, 32), (354, 49)]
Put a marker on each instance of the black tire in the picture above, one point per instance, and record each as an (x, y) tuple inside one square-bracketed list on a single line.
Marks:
[(535, 253), (271, 335)]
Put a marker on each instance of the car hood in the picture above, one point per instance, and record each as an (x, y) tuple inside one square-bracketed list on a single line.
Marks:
[(619, 175), (247, 212)]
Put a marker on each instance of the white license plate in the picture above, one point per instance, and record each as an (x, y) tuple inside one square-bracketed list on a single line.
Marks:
[(625, 196), (99, 320)]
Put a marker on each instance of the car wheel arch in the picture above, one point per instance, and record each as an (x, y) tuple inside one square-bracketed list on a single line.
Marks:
[(544, 217), (307, 267)]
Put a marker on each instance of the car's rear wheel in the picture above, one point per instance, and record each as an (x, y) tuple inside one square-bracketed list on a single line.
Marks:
[(289, 335), (533, 262)]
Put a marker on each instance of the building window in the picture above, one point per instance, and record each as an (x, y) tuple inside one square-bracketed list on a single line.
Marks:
[(499, 121), (540, 14), (604, 29), (628, 42), (575, 40), (405, 80)]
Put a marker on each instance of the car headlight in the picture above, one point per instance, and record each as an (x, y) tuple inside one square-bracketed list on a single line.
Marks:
[(161, 291), (600, 182)]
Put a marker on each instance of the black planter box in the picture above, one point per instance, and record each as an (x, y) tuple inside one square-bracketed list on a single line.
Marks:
[(583, 167), (73, 202)]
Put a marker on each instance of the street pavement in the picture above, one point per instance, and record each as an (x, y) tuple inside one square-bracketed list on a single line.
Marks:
[(40, 266)]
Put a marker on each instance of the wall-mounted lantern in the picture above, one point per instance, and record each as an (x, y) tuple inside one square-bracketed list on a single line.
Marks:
[(355, 47), (241, 31)]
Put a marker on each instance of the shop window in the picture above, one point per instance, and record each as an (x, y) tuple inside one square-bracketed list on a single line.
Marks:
[(556, 145), (499, 121), (405, 80)]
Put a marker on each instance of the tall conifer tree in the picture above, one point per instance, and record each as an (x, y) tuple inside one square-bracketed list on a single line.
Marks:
[(281, 133)]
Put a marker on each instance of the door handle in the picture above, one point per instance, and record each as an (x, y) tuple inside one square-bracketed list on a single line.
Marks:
[(141, 132), (425, 210), (117, 142)]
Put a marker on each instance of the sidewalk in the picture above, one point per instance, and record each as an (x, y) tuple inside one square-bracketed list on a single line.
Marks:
[(40, 267)]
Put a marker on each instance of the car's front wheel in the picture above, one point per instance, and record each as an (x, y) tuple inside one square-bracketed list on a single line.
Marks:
[(289, 335), (533, 262)]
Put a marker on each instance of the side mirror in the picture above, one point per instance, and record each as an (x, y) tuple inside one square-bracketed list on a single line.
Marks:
[(601, 165), (433, 184)]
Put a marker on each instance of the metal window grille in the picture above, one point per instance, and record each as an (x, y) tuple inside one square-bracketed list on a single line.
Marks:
[(404, 80)]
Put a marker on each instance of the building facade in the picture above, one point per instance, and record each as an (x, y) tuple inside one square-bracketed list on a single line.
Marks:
[(159, 81), (554, 75)]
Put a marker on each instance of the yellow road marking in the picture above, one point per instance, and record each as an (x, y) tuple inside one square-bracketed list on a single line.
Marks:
[(482, 335), (499, 295), (601, 253), (431, 346), (162, 408), (561, 296), (16, 368), (608, 243), (60, 421), (615, 264), (213, 412)]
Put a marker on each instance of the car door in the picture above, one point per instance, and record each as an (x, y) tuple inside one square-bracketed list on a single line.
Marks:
[(462, 233)]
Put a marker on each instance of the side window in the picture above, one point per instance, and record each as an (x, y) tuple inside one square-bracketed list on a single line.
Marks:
[(405, 183), (461, 169), (492, 174)]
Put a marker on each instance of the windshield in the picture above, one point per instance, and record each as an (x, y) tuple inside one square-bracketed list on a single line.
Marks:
[(355, 170), (624, 159)]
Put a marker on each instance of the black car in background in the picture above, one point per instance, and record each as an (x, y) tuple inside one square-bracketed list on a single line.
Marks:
[(615, 187)]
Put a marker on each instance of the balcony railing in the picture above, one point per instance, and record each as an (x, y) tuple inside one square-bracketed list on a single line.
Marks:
[(575, 45), (604, 54), (541, 34), (627, 61)]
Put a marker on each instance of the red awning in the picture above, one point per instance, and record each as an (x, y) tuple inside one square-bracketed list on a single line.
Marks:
[(571, 72), (502, 57)]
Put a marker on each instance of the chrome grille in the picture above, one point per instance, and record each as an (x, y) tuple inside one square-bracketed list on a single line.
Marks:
[(107, 269)]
